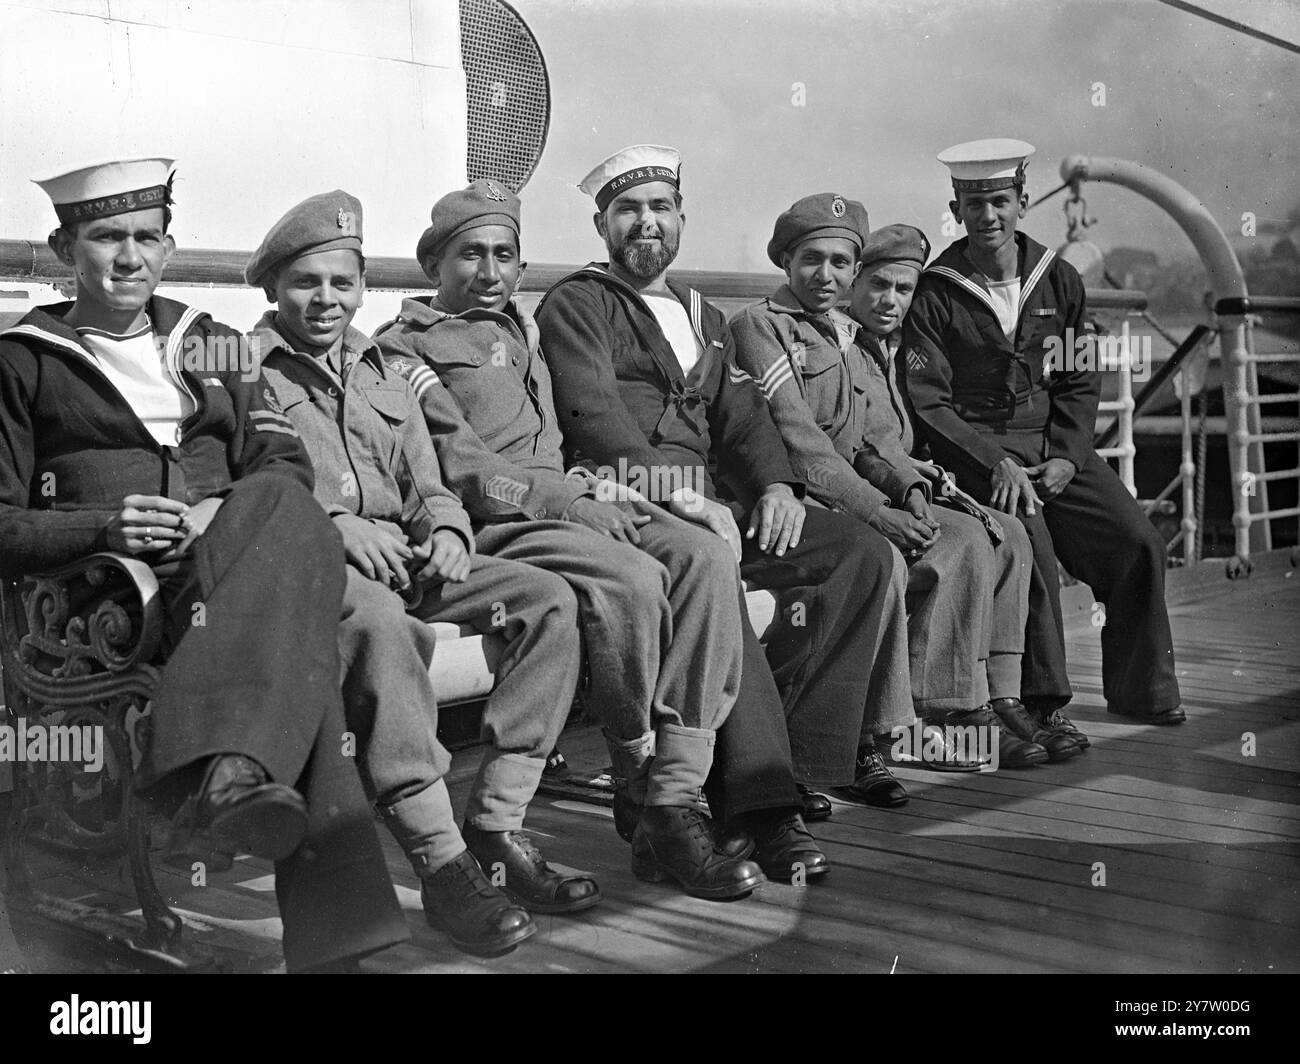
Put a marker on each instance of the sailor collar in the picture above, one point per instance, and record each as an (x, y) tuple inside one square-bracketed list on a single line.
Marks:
[(954, 266), (687, 296)]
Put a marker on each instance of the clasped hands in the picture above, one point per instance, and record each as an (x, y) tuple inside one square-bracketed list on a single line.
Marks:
[(1029, 487), (385, 556)]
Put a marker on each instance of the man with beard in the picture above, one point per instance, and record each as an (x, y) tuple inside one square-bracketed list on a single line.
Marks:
[(646, 382), (1018, 431)]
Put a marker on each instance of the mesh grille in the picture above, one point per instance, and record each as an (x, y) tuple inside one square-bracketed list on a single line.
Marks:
[(509, 93)]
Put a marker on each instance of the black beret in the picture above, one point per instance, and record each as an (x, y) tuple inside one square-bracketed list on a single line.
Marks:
[(484, 202), (825, 214), (320, 223), (896, 243)]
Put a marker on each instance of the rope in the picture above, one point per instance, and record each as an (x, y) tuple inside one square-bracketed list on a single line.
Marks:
[(1232, 24), (1048, 195)]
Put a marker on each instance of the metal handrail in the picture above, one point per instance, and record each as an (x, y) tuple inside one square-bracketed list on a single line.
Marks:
[(32, 260), (1247, 428), (1191, 343), (1123, 408)]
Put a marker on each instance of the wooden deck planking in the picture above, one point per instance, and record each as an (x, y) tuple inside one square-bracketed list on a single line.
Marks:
[(979, 872)]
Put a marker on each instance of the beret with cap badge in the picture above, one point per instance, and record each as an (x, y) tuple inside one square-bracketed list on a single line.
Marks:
[(903, 244), (825, 214), (319, 223), (483, 202)]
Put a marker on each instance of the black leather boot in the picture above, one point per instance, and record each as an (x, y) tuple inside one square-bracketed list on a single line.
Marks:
[(528, 880), (873, 783), (815, 806), (236, 809), (459, 901), (785, 850), (1014, 717), (677, 842), (627, 814), (1013, 751), (1054, 719)]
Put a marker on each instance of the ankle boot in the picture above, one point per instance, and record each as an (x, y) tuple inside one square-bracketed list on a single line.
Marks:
[(1057, 742), (816, 806), (528, 880), (677, 842), (785, 849), (1013, 752), (459, 901)]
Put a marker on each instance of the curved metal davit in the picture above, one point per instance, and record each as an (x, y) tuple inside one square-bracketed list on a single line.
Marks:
[(1241, 387)]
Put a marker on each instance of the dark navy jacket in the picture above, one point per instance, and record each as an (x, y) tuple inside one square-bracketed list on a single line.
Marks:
[(71, 447), (620, 392), (967, 382)]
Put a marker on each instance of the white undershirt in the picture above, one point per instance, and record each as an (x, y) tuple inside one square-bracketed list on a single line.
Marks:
[(676, 328), (134, 364), (1006, 301)]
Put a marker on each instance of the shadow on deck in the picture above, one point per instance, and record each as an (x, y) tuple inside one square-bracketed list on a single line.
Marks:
[(1159, 850)]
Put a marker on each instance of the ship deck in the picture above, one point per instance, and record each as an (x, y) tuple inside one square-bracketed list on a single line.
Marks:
[(1159, 850)]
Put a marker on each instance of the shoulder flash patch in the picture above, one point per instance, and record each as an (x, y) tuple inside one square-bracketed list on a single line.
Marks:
[(401, 366), (272, 403), (506, 489)]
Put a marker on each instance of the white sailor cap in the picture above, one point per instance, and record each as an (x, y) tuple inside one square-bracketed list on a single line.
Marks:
[(637, 165), (108, 187), (987, 165)]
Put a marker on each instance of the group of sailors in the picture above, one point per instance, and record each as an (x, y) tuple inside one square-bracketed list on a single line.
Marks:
[(903, 475)]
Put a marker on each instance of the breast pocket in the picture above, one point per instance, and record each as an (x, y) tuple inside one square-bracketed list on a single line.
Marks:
[(824, 384), (491, 395), (289, 394), (388, 410)]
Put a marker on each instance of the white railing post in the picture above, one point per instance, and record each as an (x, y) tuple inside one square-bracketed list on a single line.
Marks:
[(1187, 466), (1127, 448)]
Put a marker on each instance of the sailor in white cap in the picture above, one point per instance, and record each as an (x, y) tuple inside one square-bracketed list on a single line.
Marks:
[(641, 164), (1018, 432), (129, 428)]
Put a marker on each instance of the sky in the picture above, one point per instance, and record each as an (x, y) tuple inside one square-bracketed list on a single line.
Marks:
[(886, 85), (768, 101)]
